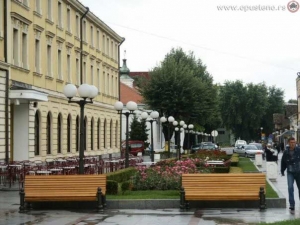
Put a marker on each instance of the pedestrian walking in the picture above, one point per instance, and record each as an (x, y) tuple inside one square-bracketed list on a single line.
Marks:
[(290, 161)]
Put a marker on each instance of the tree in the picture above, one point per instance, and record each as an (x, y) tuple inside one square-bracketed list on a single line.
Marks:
[(138, 130), (275, 105), (294, 101), (247, 108), (181, 87)]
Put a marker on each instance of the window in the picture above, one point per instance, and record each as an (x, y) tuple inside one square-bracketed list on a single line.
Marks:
[(107, 46), (85, 133), (92, 36), (69, 134), (104, 133), (84, 72), (1, 18), (92, 134), (49, 12), (69, 67), (111, 133), (116, 134), (24, 51), (37, 133), (77, 26), (59, 64), (104, 83), (98, 40), (48, 133), (84, 30), (77, 133), (59, 133), (116, 52), (37, 56), (69, 20), (116, 88), (59, 14), (16, 47), (98, 134), (107, 84), (111, 49), (92, 75), (98, 78), (103, 45), (49, 61), (77, 70), (38, 6)]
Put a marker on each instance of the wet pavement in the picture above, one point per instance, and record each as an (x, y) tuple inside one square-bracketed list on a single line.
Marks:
[(9, 215)]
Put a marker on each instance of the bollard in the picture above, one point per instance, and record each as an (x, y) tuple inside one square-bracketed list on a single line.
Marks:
[(182, 198), (262, 199), (22, 201), (100, 203)]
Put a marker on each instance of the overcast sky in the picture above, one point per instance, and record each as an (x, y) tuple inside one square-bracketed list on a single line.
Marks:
[(255, 46)]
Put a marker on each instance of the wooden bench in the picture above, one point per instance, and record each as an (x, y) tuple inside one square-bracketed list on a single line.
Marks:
[(63, 188), (227, 187)]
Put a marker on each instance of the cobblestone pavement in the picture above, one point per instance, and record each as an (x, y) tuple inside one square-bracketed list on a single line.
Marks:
[(9, 215)]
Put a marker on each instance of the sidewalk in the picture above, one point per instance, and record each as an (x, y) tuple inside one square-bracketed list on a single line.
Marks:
[(9, 204)]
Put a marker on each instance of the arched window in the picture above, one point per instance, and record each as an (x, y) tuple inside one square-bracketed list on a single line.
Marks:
[(37, 133), (59, 132), (48, 133), (116, 134), (77, 133), (98, 134), (85, 133), (92, 133), (111, 133), (69, 134), (104, 133)]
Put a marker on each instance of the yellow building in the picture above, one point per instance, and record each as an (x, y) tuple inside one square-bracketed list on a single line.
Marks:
[(39, 54)]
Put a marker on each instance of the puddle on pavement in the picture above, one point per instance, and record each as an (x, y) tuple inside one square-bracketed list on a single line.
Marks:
[(226, 221)]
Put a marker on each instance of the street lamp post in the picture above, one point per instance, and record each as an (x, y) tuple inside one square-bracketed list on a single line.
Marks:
[(87, 93), (170, 120), (153, 116), (188, 129), (179, 129), (131, 106)]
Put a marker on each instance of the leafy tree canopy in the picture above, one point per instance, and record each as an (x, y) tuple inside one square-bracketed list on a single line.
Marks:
[(181, 87), (246, 108)]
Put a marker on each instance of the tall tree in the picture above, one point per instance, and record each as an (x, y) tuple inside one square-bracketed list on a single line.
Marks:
[(247, 108), (275, 105), (181, 87)]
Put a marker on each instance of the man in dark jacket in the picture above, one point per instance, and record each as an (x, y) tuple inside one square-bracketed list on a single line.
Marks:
[(291, 162)]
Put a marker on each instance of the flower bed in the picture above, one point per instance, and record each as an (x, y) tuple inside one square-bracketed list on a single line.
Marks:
[(166, 174)]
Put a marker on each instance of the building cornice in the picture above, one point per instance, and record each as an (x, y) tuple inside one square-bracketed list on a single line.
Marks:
[(37, 27), (21, 18), (92, 17)]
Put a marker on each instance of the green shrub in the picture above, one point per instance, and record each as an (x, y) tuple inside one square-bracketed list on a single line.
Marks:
[(125, 186), (111, 187), (121, 176)]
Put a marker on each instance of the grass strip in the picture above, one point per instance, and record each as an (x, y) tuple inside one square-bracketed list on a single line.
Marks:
[(285, 222), (247, 166)]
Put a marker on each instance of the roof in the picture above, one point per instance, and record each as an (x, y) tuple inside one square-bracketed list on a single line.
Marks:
[(139, 74), (129, 94)]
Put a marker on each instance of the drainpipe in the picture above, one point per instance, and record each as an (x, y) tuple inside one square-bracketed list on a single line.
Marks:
[(81, 47), (6, 84), (120, 94)]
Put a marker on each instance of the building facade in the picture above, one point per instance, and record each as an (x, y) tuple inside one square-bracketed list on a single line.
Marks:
[(40, 52)]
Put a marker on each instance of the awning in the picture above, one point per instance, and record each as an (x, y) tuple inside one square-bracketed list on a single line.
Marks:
[(287, 134), (28, 94)]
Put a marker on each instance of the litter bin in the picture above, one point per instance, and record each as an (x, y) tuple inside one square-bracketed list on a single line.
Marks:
[(258, 159)]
